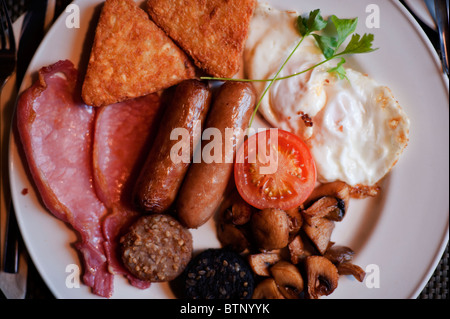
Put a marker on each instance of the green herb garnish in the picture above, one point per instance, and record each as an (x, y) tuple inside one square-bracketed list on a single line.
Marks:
[(328, 44)]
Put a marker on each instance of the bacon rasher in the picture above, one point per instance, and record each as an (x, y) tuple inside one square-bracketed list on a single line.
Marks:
[(56, 131)]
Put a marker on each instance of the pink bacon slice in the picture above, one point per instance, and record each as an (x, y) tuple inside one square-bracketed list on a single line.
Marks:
[(56, 131), (123, 133)]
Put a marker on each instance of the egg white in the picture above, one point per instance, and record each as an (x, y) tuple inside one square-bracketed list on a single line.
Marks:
[(359, 130)]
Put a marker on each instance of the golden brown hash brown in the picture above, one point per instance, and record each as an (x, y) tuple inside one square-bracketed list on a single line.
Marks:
[(131, 57), (212, 32)]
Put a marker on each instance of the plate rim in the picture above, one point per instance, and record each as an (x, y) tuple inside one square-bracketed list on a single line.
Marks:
[(445, 237)]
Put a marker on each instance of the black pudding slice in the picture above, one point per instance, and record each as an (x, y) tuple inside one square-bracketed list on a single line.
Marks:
[(219, 274)]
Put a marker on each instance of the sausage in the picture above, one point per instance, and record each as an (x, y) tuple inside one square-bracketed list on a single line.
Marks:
[(205, 183), (161, 177)]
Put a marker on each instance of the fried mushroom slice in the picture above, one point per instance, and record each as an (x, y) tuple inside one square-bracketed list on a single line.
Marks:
[(231, 236), (339, 190), (322, 276), (267, 289), (241, 212), (319, 230), (327, 207), (348, 268), (297, 250), (260, 263), (339, 254), (288, 279), (295, 221), (270, 229)]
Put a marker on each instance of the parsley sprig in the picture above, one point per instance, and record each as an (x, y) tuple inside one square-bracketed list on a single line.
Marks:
[(329, 44)]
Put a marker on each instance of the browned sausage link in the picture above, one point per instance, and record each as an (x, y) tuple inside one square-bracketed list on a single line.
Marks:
[(205, 183), (161, 178)]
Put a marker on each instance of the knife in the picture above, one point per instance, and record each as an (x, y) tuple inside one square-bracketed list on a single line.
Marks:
[(13, 278), (31, 34), (441, 11), (38, 18), (40, 15)]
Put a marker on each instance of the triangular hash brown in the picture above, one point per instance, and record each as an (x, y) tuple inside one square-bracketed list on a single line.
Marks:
[(212, 32), (131, 57)]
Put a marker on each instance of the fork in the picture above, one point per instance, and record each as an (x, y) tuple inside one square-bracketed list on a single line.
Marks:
[(440, 7), (7, 66), (7, 45)]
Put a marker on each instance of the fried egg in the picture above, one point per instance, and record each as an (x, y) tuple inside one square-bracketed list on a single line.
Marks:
[(355, 128)]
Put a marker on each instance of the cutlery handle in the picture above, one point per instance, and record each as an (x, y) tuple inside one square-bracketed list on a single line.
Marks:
[(11, 254), (441, 11)]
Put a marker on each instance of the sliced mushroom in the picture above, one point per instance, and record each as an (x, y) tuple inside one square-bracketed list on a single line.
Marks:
[(297, 250), (327, 206), (348, 268), (322, 276), (339, 254), (231, 236), (240, 212), (295, 221), (337, 213), (260, 263), (339, 190), (270, 229), (319, 230), (288, 279), (267, 289)]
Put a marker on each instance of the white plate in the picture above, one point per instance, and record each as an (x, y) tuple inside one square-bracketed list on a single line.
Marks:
[(402, 232)]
